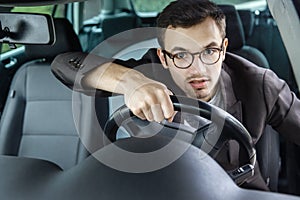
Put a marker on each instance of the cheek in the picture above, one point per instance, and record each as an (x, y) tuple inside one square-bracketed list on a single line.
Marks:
[(215, 73), (177, 75)]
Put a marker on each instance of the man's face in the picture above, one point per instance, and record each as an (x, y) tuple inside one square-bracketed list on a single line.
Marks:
[(199, 80)]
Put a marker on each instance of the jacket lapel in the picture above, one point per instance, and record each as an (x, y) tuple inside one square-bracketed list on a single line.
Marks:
[(232, 105)]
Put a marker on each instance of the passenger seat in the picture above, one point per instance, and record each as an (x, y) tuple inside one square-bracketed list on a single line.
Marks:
[(37, 120)]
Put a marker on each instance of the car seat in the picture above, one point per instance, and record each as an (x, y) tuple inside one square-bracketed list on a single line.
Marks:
[(37, 120), (248, 21), (236, 36), (109, 22), (268, 146)]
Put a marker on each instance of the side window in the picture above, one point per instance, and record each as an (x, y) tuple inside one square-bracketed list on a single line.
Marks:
[(91, 9), (154, 6), (38, 9)]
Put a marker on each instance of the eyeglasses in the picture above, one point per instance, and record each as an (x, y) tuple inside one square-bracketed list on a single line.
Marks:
[(185, 59)]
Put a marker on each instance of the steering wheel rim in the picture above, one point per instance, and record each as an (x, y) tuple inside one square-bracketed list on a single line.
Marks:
[(192, 106), (184, 104)]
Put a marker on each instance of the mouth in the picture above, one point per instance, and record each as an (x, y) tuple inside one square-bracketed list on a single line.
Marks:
[(199, 83)]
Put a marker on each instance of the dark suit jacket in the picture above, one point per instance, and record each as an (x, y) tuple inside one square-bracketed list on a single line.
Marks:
[(253, 95), (256, 97)]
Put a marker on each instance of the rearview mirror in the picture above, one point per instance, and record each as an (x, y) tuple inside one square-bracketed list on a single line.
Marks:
[(26, 28)]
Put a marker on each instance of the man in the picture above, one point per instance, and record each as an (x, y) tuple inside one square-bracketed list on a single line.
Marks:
[(193, 48)]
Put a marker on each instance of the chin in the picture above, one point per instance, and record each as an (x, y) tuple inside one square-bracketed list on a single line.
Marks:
[(197, 94), (204, 96)]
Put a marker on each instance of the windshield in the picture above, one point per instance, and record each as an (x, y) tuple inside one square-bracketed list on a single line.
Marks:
[(158, 5)]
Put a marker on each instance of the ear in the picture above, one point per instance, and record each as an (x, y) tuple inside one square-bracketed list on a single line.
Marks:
[(225, 43), (162, 58)]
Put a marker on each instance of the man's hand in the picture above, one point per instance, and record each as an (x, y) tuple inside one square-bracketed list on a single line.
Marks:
[(146, 98), (150, 100)]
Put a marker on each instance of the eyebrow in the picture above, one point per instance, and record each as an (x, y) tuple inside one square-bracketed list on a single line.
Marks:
[(178, 49), (212, 44)]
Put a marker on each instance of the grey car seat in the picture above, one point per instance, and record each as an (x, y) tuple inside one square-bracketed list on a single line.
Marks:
[(37, 120)]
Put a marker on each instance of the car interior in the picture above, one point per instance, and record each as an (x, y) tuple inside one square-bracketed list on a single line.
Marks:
[(43, 123), (51, 143)]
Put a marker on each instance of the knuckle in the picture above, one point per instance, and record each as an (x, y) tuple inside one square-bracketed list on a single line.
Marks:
[(159, 119), (136, 111), (149, 116), (168, 113)]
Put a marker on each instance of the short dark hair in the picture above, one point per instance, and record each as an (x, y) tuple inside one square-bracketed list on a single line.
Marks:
[(187, 13)]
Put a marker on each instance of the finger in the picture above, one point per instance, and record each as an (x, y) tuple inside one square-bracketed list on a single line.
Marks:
[(138, 113), (148, 114), (157, 112), (167, 106), (169, 92), (172, 118)]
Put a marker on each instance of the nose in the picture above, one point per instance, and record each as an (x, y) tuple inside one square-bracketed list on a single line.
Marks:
[(197, 66)]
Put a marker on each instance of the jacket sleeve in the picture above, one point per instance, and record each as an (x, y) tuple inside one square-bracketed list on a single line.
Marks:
[(71, 67), (283, 107)]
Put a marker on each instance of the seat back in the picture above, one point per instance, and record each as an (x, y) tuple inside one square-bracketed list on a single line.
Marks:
[(112, 25), (37, 120), (236, 36), (248, 20), (268, 146), (107, 26)]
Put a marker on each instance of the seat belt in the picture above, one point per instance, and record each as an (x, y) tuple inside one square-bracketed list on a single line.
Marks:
[(287, 19)]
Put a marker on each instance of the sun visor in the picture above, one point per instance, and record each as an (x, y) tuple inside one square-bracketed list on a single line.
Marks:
[(26, 28)]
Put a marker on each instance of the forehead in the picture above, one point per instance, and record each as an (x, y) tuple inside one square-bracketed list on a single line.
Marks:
[(193, 38)]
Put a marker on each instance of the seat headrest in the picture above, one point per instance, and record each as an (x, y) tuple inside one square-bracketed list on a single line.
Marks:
[(248, 20), (112, 25), (234, 28), (66, 40)]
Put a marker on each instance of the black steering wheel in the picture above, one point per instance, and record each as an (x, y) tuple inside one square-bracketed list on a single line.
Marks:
[(228, 127)]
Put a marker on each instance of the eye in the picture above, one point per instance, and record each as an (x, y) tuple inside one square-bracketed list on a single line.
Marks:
[(181, 55), (209, 51)]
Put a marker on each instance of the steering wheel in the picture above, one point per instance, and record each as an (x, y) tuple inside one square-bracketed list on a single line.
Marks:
[(228, 127)]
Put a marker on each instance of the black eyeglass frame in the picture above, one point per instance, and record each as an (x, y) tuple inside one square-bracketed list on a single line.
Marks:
[(172, 56)]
